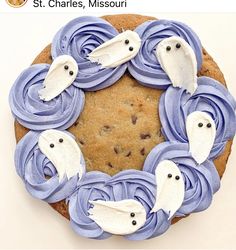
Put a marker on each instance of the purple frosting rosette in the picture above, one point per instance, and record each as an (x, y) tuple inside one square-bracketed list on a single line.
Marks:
[(145, 66), (91, 187), (128, 184), (210, 97), (36, 114), (38, 173), (201, 181), (80, 37)]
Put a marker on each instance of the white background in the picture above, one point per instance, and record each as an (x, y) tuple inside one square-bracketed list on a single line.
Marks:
[(29, 223)]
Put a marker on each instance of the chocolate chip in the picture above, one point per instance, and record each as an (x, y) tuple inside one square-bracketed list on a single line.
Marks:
[(81, 142), (129, 154), (110, 165), (145, 136), (116, 150), (105, 130), (134, 119), (142, 151)]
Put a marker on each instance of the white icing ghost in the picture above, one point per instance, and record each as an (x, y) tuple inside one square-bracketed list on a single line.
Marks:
[(201, 132), (63, 151), (118, 217), (117, 51), (60, 76), (170, 188), (178, 60)]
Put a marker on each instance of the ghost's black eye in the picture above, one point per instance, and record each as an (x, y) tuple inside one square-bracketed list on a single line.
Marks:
[(66, 67), (168, 48), (51, 145), (178, 45), (200, 124), (126, 41), (132, 214), (177, 177), (71, 73), (134, 222), (131, 48), (169, 175), (208, 125), (60, 140)]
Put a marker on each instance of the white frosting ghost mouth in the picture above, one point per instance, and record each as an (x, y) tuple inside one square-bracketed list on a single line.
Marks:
[(117, 51)]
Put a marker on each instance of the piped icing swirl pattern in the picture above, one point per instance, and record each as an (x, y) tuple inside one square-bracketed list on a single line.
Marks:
[(39, 174), (90, 194), (36, 114), (129, 184), (145, 66), (80, 37), (201, 181), (210, 97), (90, 187)]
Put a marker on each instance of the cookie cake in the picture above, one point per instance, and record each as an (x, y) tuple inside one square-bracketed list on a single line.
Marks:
[(123, 125)]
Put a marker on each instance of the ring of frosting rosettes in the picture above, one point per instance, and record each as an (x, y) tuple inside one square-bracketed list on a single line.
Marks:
[(178, 177)]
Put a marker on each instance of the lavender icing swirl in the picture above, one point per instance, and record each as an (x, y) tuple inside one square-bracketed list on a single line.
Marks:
[(140, 186), (201, 181), (145, 67), (39, 174), (91, 187), (80, 37), (129, 184), (211, 97), (33, 113)]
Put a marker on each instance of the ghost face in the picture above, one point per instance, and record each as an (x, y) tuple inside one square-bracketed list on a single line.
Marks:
[(201, 132), (170, 188), (61, 75), (178, 60), (117, 51), (118, 217), (62, 150)]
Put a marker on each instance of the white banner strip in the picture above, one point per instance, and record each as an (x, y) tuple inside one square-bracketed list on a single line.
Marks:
[(83, 7)]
